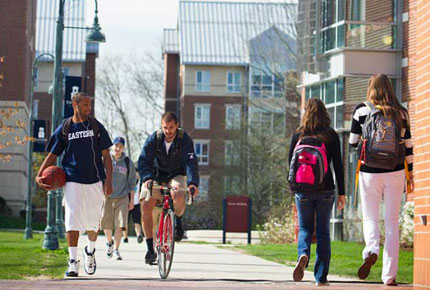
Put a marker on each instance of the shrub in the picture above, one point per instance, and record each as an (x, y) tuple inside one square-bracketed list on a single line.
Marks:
[(4, 208), (279, 228), (407, 225)]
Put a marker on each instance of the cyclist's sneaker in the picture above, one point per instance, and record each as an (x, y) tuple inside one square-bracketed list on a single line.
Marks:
[(125, 240), (139, 239), (73, 270), (109, 250), (117, 255), (89, 261), (150, 258), (179, 232)]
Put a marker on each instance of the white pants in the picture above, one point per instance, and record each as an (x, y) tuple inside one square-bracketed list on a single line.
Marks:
[(372, 187), (83, 206)]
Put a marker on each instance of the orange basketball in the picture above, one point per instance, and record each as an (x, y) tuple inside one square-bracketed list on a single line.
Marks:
[(54, 176)]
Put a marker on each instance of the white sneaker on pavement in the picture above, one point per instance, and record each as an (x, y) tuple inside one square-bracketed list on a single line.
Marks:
[(73, 270), (117, 255), (89, 261), (109, 249)]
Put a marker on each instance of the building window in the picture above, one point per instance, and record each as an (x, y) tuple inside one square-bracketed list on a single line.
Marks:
[(202, 116), (231, 185), (232, 117), (203, 188), (332, 94), (233, 82), (65, 72), (201, 147), (266, 85), (231, 153), (203, 81), (272, 122), (333, 100), (36, 78), (35, 109)]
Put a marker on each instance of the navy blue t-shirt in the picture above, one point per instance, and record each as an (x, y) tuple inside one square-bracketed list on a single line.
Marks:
[(82, 160)]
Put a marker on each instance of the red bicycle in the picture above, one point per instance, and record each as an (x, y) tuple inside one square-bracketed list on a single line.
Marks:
[(166, 230)]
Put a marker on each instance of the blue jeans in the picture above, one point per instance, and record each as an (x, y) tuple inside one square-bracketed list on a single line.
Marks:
[(320, 205)]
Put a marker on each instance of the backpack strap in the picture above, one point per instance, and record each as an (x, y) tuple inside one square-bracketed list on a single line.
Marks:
[(127, 163), (179, 138), (96, 129), (408, 178), (65, 129), (357, 170), (158, 139)]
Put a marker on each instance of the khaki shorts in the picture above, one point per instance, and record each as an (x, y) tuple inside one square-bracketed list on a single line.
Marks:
[(180, 181), (115, 214)]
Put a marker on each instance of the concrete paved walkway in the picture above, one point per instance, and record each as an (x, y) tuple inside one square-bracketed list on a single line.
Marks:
[(195, 266)]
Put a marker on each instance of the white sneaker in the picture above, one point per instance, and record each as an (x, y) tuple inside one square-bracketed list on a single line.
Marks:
[(73, 270), (89, 262), (109, 250), (117, 255)]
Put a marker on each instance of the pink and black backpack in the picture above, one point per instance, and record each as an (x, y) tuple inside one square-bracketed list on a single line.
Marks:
[(308, 165)]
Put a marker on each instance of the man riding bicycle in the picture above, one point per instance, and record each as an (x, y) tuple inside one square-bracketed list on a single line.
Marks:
[(167, 157)]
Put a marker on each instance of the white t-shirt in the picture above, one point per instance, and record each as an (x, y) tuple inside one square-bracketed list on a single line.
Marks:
[(136, 195), (168, 146)]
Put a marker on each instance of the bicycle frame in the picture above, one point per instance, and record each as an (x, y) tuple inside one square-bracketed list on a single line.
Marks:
[(166, 230), (165, 234)]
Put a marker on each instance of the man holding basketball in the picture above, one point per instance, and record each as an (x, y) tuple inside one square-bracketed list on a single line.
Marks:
[(88, 167), (167, 157)]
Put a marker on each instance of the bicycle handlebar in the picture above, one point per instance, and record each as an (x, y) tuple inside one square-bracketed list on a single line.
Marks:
[(168, 187)]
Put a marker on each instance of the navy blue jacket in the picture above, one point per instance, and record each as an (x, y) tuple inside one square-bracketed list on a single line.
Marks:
[(158, 165)]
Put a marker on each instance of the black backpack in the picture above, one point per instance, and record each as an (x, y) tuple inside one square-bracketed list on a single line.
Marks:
[(381, 145), (66, 129)]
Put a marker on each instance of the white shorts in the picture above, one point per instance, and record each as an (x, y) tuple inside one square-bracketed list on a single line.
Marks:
[(83, 206)]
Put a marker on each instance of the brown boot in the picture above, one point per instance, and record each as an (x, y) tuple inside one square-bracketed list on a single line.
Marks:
[(364, 270)]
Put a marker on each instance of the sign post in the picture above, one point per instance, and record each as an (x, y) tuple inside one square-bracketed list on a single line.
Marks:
[(237, 216)]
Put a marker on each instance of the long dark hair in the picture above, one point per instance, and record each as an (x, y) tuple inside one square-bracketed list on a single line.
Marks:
[(315, 120), (380, 92)]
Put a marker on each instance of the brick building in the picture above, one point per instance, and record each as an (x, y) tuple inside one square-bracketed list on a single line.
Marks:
[(343, 43), (368, 37), (416, 81), (79, 57), (17, 49), (27, 30), (216, 77)]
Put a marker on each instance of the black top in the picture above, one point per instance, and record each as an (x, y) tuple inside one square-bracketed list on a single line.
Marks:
[(333, 154), (358, 119)]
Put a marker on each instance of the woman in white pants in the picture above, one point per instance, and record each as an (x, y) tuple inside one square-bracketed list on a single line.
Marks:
[(377, 183)]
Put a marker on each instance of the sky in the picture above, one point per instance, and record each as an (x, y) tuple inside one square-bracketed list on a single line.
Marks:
[(133, 26)]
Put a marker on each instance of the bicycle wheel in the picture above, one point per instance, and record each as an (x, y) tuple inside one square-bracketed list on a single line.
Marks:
[(166, 244)]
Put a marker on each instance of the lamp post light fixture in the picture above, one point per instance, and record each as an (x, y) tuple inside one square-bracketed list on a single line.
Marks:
[(50, 241), (28, 232)]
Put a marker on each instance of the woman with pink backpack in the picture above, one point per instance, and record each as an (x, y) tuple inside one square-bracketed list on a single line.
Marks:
[(380, 129), (313, 148)]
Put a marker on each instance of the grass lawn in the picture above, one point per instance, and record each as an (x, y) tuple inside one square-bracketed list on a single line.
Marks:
[(25, 259), (345, 259)]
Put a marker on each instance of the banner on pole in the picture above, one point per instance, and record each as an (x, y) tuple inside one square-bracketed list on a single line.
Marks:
[(40, 132), (73, 85)]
